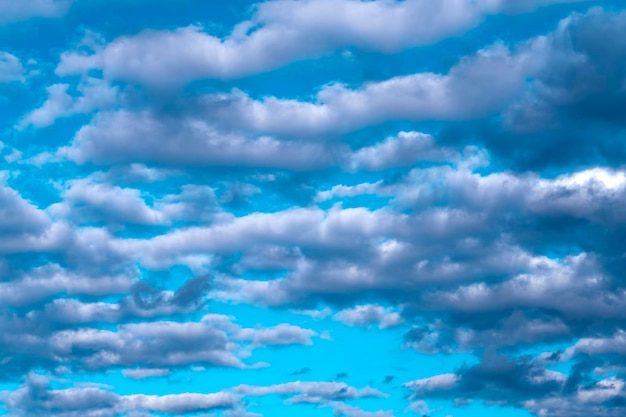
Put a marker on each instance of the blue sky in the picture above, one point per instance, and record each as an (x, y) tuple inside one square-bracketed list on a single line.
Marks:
[(312, 207)]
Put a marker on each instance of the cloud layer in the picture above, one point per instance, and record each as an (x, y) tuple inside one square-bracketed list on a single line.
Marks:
[(351, 208)]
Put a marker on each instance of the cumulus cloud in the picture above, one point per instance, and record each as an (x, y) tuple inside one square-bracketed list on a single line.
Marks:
[(572, 113), (37, 397), (92, 94), (180, 403), (283, 31), (89, 201), (484, 237), (522, 383), (236, 129), (366, 315), (405, 149), (18, 217), (123, 136), (525, 87), (93, 400)]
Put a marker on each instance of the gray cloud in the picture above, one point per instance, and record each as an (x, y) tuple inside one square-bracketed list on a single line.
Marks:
[(36, 398), (526, 384), (311, 392)]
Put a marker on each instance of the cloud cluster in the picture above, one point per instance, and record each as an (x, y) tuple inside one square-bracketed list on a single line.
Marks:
[(36, 396), (524, 383), (476, 208), (283, 31)]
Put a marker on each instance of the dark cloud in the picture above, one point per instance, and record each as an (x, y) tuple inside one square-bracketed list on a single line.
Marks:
[(302, 371), (573, 114), (525, 383), (193, 290)]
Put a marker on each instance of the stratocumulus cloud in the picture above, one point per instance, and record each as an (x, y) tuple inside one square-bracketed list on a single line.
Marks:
[(360, 208)]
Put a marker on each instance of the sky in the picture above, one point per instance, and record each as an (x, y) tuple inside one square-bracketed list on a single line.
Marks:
[(341, 208)]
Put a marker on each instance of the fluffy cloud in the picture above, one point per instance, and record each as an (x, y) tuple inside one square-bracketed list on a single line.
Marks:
[(520, 91), (405, 149), (484, 205), (283, 31), (123, 136), (366, 315), (18, 216), (37, 397), (526, 384), (92, 94)]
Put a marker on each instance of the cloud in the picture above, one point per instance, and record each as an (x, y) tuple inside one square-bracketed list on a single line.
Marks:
[(36, 397), (404, 149), (302, 371), (18, 217), (341, 409), (44, 282), (280, 32), (11, 68), (310, 392), (87, 201), (12, 11), (484, 237), (366, 315), (145, 373), (522, 383), (180, 403), (283, 334), (235, 129), (122, 136), (68, 334), (167, 344), (477, 86), (516, 92), (571, 114), (92, 94)]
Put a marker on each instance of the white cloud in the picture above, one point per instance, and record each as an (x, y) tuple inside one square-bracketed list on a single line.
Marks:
[(180, 403), (124, 136), (11, 68), (311, 392), (93, 94), (368, 314), (145, 373), (283, 31), (86, 200), (283, 334), (404, 149), (14, 11), (437, 382)]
